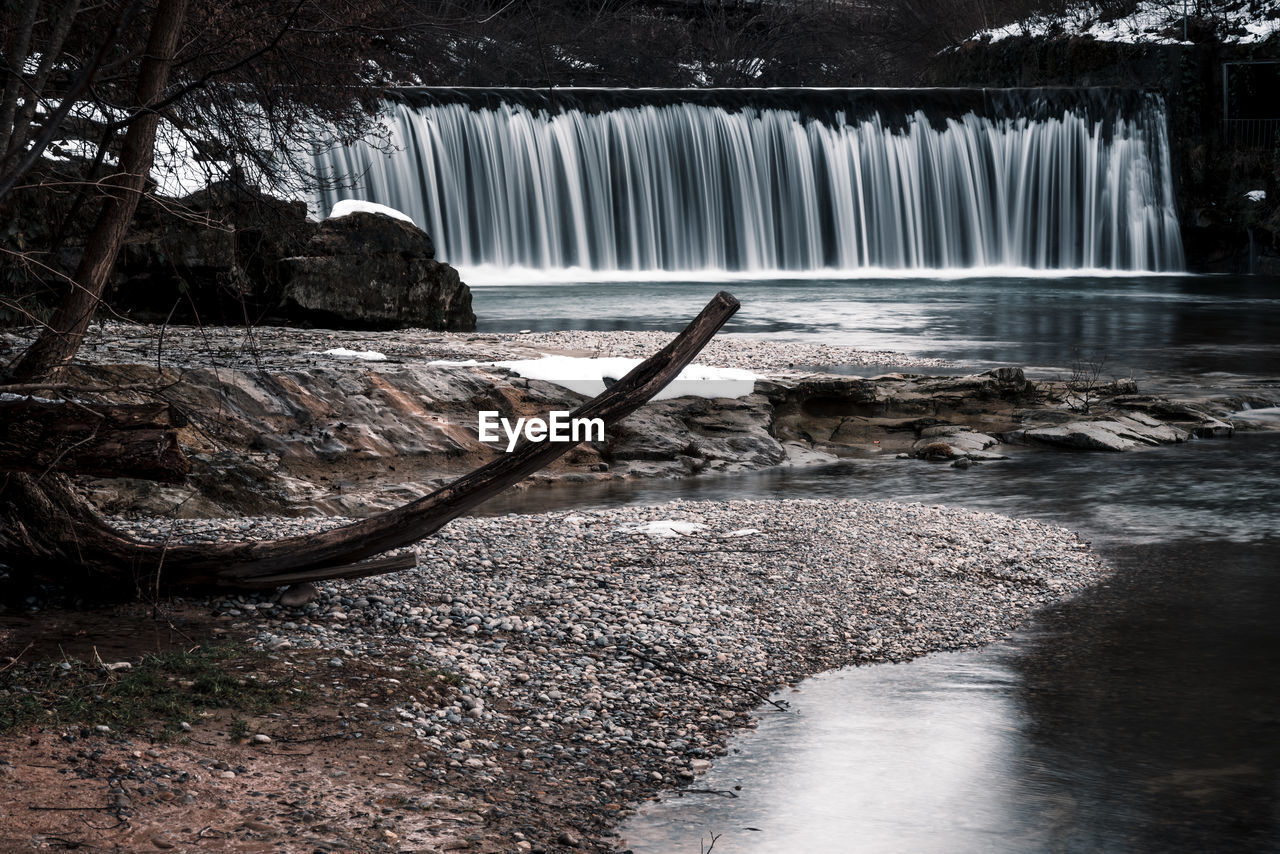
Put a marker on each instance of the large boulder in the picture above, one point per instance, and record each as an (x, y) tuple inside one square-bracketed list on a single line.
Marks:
[(372, 271), (210, 257)]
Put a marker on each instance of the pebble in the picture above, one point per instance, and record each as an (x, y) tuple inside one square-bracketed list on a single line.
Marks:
[(278, 348), (573, 636)]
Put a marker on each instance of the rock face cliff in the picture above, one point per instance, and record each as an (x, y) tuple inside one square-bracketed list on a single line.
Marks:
[(370, 271), (236, 256)]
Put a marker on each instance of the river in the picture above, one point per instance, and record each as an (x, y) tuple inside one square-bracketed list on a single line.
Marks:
[(1140, 716)]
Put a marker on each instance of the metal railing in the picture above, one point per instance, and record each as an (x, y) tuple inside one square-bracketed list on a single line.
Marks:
[(1253, 133)]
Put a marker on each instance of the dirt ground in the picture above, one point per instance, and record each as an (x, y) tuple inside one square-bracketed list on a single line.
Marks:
[(333, 773)]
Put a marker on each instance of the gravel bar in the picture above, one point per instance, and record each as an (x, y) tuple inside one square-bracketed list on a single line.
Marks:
[(279, 348), (591, 647)]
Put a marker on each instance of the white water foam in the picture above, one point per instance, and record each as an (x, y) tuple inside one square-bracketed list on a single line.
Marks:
[(699, 191)]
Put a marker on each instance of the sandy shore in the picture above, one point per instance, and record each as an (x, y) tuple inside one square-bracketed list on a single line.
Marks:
[(598, 657)]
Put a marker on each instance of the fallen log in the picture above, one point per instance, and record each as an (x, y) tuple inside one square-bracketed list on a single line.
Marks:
[(45, 522), (107, 440)]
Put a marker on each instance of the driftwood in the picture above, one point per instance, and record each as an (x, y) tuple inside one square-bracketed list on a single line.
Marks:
[(108, 440), (43, 522)]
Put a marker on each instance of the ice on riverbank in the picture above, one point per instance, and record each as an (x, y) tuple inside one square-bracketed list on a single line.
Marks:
[(359, 355)]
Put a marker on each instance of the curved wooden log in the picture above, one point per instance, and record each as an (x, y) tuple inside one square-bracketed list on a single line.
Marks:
[(336, 553)]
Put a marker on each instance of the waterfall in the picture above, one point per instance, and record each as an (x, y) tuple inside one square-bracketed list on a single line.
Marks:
[(776, 181)]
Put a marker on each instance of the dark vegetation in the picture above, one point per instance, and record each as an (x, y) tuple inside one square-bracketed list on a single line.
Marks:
[(161, 690)]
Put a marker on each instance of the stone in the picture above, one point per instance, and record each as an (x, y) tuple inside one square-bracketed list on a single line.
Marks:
[(1120, 434), (370, 271), (217, 264), (299, 595), (936, 451), (949, 442), (1213, 428)]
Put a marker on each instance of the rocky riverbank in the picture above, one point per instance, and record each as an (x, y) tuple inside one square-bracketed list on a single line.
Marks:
[(314, 422), (583, 661)]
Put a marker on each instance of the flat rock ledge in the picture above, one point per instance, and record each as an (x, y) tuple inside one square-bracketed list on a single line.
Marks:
[(308, 422), (597, 657)]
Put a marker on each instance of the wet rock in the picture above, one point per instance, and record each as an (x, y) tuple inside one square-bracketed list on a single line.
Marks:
[(950, 442), (299, 595), (1118, 434), (370, 271), (933, 450)]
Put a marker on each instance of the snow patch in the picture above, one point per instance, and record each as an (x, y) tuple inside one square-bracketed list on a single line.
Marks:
[(588, 376), (362, 355), (1151, 22), (346, 207), (663, 528), (7, 397)]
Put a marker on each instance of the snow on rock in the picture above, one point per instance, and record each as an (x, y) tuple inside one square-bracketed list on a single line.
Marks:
[(588, 376), (663, 528), (346, 207), (1151, 22), (363, 355)]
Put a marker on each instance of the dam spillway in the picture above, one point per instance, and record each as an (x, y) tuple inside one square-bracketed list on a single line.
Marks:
[(772, 182)]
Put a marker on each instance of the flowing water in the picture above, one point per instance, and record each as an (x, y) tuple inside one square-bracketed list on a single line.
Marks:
[(766, 181)]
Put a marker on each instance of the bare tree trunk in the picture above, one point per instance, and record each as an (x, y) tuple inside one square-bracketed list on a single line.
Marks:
[(46, 526), (15, 123), (60, 340)]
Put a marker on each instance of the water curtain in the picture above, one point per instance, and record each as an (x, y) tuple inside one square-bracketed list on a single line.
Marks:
[(849, 180)]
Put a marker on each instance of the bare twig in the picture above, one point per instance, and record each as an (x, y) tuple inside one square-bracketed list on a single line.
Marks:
[(14, 662)]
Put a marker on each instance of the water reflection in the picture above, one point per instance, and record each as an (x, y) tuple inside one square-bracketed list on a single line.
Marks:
[(892, 770), (1152, 702)]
